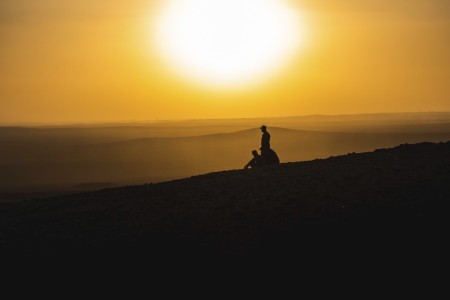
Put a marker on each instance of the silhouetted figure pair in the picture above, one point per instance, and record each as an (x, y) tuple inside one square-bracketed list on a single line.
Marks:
[(267, 157)]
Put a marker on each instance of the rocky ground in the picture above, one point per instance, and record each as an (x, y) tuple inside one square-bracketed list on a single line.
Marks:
[(389, 203)]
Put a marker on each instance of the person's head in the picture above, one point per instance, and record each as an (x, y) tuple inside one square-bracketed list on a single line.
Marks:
[(263, 128), (255, 153)]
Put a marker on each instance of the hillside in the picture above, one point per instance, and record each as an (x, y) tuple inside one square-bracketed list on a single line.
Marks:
[(390, 202), (68, 159)]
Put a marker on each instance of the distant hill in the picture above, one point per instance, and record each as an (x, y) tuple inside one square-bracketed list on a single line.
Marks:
[(42, 160), (347, 122), (384, 204)]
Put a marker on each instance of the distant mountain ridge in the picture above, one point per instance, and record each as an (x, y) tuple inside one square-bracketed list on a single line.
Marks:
[(320, 118)]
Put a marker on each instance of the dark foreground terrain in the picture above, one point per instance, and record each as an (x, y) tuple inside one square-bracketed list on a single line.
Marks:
[(388, 203)]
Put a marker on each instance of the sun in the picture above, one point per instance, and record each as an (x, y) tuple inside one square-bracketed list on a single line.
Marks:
[(227, 42)]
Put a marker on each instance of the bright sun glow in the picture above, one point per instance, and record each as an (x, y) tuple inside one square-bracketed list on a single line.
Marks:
[(227, 42)]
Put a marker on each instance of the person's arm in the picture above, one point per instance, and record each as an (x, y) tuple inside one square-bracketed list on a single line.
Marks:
[(248, 164)]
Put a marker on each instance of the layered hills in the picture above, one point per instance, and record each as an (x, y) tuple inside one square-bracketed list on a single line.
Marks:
[(40, 161)]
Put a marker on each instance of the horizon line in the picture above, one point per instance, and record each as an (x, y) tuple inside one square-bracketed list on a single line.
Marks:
[(156, 121)]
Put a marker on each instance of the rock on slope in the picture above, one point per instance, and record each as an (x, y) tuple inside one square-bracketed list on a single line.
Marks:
[(389, 201)]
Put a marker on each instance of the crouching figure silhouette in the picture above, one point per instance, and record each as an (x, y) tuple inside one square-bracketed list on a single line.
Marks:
[(255, 162), (270, 157)]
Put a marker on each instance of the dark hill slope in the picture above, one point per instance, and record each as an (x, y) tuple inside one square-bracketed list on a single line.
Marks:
[(387, 201), (31, 165)]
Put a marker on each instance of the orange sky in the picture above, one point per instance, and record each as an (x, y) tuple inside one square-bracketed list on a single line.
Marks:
[(95, 61)]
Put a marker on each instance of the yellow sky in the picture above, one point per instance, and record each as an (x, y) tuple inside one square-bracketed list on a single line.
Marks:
[(96, 60)]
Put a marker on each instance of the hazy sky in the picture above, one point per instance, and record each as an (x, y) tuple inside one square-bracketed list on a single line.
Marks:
[(96, 60)]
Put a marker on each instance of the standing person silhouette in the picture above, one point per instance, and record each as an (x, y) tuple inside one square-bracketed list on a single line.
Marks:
[(265, 143)]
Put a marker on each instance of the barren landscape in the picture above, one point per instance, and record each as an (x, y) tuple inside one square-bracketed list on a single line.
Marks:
[(41, 161), (164, 135), (386, 203)]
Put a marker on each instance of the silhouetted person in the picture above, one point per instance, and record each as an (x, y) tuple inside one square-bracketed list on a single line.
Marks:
[(256, 161), (265, 139), (269, 156), (265, 143)]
